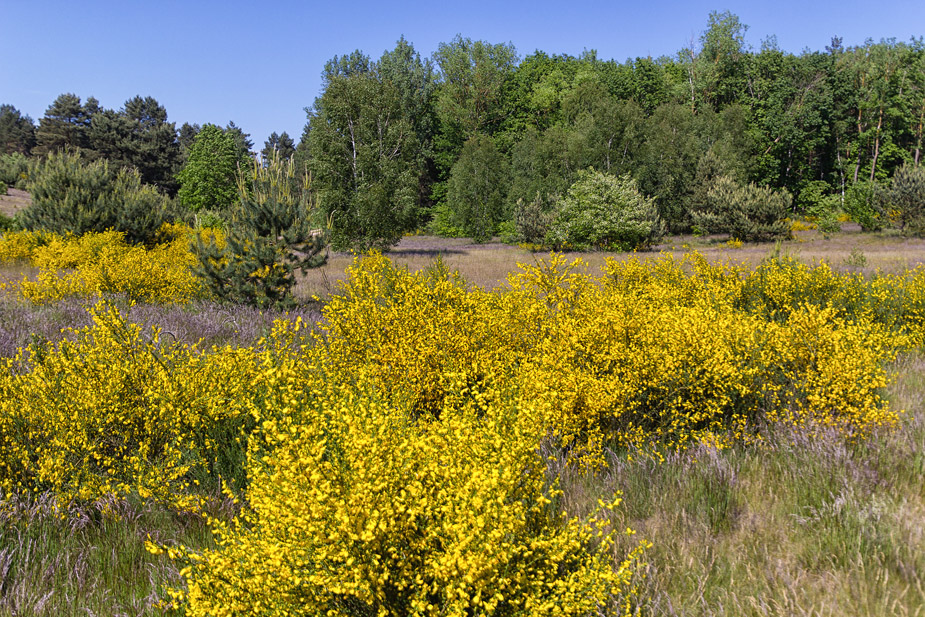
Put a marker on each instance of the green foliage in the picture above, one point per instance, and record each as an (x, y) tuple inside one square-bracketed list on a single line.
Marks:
[(271, 235), (720, 66), (6, 223), (546, 163), (906, 196), (745, 212), (139, 136), (208, 180), (65, 124), (278, 144), (17, 132), (533, 219), (822, 207), (864, 206), (242, 141), (364, 157), (476, 188), (608, 212), (14, 169), (471, 95), (444, 223), (73, 195), (186, 136), (669, 160), (210, 219)]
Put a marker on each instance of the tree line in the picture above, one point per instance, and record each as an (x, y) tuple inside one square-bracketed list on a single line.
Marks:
[(477, 141)]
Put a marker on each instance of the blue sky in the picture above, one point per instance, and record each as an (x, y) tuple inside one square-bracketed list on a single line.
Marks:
[(259, 63)]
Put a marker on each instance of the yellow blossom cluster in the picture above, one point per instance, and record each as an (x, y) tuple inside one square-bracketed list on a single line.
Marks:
[(357, 508), (660, 352), (397, 470), (389, 462), (104, 263), (18, 246), (113, 411)]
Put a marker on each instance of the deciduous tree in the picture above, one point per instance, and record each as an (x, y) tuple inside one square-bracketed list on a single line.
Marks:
[(363, 156), (208, 180)]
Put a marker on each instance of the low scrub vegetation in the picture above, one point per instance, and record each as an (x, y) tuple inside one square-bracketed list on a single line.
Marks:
[(432, 447)]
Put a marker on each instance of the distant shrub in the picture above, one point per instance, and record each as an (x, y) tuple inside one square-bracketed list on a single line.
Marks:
[(747, 212), (864, 205), (2, 188), (533, 219), (211, 219), (606, 212), (14, 169), (906, 196), (71, 195), (444, 223), (816, 201)]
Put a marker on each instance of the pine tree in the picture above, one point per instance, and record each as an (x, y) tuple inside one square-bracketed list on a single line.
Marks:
[(281, 144), (272, 233), (73, 195), (744, 211), (65, 124), (17, 132)]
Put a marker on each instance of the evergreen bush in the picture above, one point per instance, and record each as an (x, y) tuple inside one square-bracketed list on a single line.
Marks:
[(532, 220), (14, 169), (746, 212), (73, 195), (906, 199), (271, 232)]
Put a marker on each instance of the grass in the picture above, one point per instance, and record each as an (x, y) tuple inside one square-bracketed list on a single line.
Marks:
[(486, 265), (792, 527), (94, 563)]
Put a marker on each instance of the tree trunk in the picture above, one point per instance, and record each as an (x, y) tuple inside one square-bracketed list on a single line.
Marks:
[(918, 144), (873, 166)]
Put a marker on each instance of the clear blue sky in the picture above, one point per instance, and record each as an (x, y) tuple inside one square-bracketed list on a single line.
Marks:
[(259, 63)]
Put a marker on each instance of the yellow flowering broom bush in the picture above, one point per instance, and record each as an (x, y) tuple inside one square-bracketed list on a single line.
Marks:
[(650, 353), (392, 466), (113, 411), (18, 246), (358, 507), (104, 263), (397, 469)]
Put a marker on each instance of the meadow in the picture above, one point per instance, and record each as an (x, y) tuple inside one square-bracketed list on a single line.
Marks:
[(700, 430)]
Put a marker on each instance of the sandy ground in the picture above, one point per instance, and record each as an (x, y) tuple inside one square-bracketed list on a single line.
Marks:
[(14, 201)]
